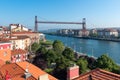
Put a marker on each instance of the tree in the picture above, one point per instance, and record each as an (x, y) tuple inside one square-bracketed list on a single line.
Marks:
[(45, 43), (82, 63), (68, 53), (41, 50), (40, 62), (50, 56), (105, 62), (35, 46), (62, 63), (58, 46)]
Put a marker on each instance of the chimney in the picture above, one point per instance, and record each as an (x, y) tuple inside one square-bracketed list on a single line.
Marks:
[(27, 74), (72, 72)]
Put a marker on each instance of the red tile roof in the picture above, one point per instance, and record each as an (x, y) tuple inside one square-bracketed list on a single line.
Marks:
[(2, 62), (36, 72), (18, 51), (17, 70), (98, 74), (24, 32)]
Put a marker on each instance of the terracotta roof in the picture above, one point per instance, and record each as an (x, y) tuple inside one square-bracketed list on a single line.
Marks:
[(13, 38), (2, 62), (15, 72), (36, 72), (24, 32), (18, 51), (22, 37), (98, 74)]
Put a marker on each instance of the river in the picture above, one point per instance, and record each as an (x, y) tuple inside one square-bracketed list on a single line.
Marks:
[(91, 47)]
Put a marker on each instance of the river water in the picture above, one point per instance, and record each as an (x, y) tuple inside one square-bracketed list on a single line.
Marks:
[(91, 47)]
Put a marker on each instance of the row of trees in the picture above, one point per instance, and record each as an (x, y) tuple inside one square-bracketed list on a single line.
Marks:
[(58, 58)]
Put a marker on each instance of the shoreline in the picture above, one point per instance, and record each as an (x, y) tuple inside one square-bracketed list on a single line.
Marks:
[(92, 38), (80, 53)]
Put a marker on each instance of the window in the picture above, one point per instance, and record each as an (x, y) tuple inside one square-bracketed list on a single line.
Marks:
[(1, 47), (5, 53), (8, 47)]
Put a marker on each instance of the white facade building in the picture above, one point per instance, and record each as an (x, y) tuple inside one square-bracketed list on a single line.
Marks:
[(111, 33)]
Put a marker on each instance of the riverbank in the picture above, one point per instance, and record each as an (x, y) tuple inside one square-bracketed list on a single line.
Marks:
[(93, 38), (90, 47)]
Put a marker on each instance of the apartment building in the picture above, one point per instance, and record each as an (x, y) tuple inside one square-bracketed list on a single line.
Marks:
[(111, 33), (107, 33), (5, 51), (34, 37), (18, 28), (22, 42), (19, 55)]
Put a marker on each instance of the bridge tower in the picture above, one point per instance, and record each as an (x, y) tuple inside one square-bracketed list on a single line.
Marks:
[(36, 24), (84, 24)]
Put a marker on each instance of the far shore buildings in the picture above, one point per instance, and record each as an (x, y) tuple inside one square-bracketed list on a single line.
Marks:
[(104, 33), (74, 32), (107, 33)]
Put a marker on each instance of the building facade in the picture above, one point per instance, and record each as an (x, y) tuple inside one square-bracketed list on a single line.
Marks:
[(111, 33), (108, 33), (34, 37), (22, 42), (17, 28), (19, 55), (5, 51)]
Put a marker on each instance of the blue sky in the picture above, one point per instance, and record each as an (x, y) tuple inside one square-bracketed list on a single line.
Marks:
[(98, 13)]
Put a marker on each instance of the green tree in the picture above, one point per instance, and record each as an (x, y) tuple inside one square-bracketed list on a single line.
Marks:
[(62, 62), (82, 63), (35, 46), (58, 46), (50, 56), (46, 42), (42, 50), (68, 53), (105, 62)]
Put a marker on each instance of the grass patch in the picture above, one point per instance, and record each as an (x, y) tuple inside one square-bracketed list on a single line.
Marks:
[(46, 42)]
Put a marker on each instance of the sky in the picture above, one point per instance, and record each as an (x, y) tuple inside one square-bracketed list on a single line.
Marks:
[(98, 13)]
